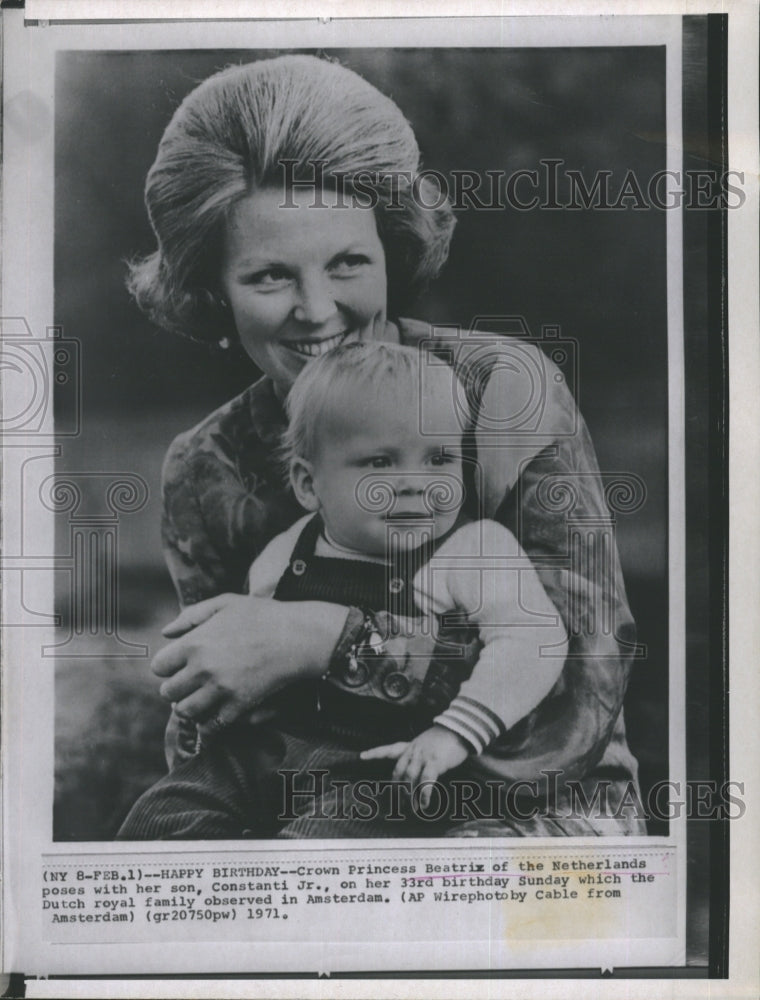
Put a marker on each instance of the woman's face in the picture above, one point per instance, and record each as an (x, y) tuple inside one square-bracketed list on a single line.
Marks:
[(302, 280)]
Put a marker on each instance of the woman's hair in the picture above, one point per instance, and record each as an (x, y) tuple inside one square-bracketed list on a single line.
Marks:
[(229, 137), (360, 370)]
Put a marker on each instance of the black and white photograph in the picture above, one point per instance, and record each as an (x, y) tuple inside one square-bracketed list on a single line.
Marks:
[(366, 458), (222, 515)]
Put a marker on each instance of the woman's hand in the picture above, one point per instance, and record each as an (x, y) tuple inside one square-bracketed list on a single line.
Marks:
[(235, 651), (196, 614)]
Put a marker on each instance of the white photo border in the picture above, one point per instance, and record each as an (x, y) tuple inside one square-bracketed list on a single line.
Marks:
[(32, 178)]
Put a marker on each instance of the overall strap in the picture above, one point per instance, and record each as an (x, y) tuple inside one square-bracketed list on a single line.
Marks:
[(354, 582)]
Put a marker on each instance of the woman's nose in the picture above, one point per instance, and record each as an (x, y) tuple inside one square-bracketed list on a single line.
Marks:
[(316, 302)]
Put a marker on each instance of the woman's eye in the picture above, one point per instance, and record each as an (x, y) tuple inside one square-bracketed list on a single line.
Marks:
[(273, 277), (348, 264)]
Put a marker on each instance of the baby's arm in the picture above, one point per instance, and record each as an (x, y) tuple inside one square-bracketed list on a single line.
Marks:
[(481, 573)]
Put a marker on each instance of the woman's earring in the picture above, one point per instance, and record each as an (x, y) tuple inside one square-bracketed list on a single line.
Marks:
[(225, 343)]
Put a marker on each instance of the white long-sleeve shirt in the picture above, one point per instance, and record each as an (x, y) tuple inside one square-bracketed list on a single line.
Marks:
[(481, 574)]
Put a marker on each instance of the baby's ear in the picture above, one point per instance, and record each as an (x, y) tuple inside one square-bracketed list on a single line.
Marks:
[(302, 481)]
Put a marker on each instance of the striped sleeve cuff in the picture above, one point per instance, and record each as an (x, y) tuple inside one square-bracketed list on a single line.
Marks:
[(472, 721)]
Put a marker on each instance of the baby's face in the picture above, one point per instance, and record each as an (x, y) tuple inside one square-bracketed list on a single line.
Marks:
[(383, 483)]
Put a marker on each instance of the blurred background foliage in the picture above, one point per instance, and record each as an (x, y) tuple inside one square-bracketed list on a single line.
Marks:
[(598, 275)]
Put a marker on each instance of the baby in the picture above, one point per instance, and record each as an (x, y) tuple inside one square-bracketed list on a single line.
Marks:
[(374, 451)]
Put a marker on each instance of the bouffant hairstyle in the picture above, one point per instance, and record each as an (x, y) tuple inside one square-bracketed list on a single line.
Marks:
[(230, 136)]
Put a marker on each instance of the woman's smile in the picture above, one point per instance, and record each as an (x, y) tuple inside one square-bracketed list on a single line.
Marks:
[(313, 347), (302, 280)]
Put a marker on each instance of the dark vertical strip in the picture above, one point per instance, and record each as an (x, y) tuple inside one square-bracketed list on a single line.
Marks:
[(717, 347), (16, 986), (705, 356), (696, 330)]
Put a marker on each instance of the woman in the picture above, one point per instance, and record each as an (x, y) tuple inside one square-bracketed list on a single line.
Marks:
[(289, 219)]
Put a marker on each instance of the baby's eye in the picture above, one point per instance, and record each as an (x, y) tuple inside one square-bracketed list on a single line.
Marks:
[(376, 462), (444, 458)]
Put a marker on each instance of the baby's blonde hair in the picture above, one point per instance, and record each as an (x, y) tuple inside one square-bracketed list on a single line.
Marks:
[(374, 368)]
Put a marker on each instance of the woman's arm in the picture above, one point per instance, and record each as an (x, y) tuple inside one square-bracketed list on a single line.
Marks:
[(548, 491), (199, 566), (570, 730), (251, 648)]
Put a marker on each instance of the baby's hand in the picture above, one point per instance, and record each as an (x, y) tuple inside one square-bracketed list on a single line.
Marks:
[(428, 756)]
